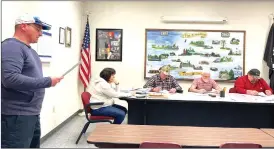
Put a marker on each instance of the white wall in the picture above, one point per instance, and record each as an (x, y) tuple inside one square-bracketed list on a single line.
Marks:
[(63, 100), (134, 16)]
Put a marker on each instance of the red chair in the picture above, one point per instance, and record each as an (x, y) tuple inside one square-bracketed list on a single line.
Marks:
[(240, 145), (91, 119), (232, 90), (159, 145)]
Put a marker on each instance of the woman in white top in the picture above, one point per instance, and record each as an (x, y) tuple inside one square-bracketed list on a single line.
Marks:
[(101, 90)]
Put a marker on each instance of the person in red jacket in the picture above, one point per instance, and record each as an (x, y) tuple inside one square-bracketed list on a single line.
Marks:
[(252, 84)]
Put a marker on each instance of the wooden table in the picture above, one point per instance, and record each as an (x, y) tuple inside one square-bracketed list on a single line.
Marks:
[(269, 131), (183, 135)]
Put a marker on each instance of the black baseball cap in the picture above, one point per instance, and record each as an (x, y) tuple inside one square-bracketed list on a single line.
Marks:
[(254, 72)]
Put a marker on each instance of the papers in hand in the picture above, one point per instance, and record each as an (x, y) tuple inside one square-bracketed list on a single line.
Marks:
[(68, 71)]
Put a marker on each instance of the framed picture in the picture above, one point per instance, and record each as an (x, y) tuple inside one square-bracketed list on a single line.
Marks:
[(61, 35), (188, 53), (68, 37), (109, 44)]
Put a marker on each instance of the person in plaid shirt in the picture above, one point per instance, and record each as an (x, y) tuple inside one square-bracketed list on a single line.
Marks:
[(204, 84), (163, 81)]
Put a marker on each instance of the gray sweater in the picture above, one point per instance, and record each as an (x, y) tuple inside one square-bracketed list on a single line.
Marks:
[(22, 82)]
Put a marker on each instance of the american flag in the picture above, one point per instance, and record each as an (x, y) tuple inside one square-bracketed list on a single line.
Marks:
[(85, 67)]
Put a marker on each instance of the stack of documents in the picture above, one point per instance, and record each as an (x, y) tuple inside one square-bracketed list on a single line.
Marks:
[(250, 98)]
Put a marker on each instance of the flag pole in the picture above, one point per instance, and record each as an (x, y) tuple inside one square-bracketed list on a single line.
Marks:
[(85, 67), (89, 57), (84, 85)]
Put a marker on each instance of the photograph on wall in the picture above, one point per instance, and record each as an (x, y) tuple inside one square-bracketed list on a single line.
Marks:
[(61, 35), (109, 44), (188, 53), (67, 37)]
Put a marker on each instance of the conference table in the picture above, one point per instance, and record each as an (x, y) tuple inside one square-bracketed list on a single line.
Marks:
[(193, 109), (129, 136)]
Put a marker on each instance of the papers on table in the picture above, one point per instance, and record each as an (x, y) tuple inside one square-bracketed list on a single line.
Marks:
[(211, 92), (230, 97), (262, 94), (126, 90), (240, 97), (250, 98), (265, 99), (190, 96)]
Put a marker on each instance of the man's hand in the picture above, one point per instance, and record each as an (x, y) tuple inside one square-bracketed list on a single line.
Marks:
[(156, 89), (268, 92), (202, 91), (255, 93), (217, 91), (55, 80), (250, 92), (173, 90)]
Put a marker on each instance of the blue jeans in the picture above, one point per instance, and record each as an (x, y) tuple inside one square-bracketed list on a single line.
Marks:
[(116, 111), (20, 131)]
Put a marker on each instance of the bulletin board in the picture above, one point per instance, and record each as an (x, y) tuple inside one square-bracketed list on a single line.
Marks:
[(191, 52)]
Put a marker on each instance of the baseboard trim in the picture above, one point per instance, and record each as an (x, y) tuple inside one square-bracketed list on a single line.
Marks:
[(59, 126)]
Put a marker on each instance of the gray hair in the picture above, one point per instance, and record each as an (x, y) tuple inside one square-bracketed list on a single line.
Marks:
[(206, 72)]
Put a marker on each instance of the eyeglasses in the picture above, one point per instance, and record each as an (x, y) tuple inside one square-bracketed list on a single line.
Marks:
[(36, 28)]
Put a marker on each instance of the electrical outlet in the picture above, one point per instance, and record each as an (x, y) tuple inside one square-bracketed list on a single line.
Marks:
[(53, 109)]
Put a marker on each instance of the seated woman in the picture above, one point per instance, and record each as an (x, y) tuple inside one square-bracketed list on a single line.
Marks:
[(101, 90)]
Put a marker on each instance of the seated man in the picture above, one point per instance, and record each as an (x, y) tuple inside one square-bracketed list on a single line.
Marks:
[(204, 84), (163, 81), (252, 84)]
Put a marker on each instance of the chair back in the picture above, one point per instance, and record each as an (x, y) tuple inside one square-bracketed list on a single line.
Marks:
[(240, 145), (159, 145), (85, 100)]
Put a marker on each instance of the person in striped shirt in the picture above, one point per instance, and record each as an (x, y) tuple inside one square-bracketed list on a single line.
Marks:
[(204, 84), (163, 81)]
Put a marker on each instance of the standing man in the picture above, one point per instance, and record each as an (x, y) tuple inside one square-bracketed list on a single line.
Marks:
[(23, 85)]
